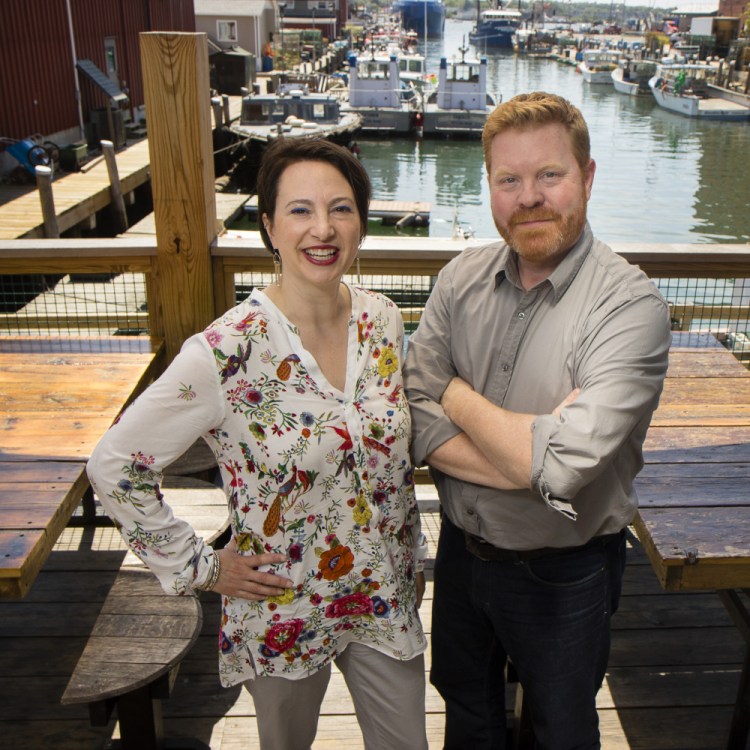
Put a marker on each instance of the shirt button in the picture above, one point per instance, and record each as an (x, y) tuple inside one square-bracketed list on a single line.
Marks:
[(506, 368), (469, 512), (521, 315)]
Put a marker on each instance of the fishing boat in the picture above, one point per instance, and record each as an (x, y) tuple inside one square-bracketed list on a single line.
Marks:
[(596, 66), (631, 77), (293, 110), (426, 17), (687, 90), (495, 28), (377, 94), (459, 106)]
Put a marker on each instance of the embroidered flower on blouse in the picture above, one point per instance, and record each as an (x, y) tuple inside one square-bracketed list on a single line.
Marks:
[(282, 636), (336, 562), (362, 513), (186, 392), (380, 607), (387, 362), (286, 598), (347, 606)]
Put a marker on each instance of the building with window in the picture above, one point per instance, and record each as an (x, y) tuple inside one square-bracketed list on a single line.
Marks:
[(64, 62)]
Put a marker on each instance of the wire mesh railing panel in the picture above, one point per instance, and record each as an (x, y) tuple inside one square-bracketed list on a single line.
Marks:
[(720, 307), (73, 305), (408, 291)]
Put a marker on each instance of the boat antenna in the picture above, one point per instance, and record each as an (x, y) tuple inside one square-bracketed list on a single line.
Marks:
[(463, 49)]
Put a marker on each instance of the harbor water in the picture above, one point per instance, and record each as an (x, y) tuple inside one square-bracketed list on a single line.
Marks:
[(660, 177)]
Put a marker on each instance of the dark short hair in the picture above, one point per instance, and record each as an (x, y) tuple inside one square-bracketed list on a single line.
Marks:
[(283, 152), (532, 110)]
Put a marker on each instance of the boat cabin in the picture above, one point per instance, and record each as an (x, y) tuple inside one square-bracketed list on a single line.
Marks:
[(462, 84), (290, 100), (376, 82)]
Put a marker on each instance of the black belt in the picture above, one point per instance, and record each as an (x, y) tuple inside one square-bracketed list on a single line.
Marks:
[(489, 553)]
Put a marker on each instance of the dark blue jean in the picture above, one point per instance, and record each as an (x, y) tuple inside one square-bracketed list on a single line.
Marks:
[(550, 616)]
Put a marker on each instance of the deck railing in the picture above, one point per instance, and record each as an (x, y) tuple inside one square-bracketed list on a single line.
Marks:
[(89, 287)]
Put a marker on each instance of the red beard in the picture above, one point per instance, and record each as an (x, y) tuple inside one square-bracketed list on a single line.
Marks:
[(538, 244)]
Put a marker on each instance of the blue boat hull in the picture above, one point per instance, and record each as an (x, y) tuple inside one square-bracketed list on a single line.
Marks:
[(413, 17), (486, 36)]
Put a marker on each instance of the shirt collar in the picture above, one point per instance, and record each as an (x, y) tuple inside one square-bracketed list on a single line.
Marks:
[(561, 278)]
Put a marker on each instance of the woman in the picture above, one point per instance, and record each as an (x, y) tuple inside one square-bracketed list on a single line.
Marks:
[(298, 391)]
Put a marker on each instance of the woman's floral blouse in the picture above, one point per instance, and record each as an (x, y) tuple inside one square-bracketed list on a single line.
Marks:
[(320, 475)]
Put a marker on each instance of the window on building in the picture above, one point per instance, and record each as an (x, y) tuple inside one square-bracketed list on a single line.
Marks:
[(110, 56), (226, 31)]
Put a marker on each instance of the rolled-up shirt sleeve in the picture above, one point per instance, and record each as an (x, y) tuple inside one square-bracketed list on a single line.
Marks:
[(126, 467), (428, 370), (620, 369)]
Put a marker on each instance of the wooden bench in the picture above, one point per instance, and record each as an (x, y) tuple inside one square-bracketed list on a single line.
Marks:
[(142, 634)]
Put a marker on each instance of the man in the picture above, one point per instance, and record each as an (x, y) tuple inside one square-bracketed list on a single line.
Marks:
[(532, 379)]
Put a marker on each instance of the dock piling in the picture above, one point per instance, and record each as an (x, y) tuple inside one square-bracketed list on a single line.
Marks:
[(46, 198), (115, 188)]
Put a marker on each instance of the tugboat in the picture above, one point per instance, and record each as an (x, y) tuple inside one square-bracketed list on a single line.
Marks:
[(495, 28), (460, 104), (385, 102)]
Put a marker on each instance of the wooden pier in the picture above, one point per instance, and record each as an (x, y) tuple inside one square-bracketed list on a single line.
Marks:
[(78, 196)]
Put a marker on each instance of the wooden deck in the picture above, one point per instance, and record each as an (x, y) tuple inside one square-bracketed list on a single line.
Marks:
[(77, 195), (671, 684)]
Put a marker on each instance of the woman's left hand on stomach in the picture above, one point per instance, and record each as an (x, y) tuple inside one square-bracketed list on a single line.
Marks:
[(241, 577)]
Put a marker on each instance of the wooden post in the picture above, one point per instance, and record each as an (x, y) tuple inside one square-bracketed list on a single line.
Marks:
[(176, 86), (115, 188), (44, 185), (111, 120), (218, 117), (225, 108)]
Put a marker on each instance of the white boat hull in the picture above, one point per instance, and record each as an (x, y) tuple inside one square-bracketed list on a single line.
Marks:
[(625, 87), (597, 77), (710, 108)]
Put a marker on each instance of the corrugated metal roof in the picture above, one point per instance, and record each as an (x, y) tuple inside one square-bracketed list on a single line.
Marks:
[(231, 8)]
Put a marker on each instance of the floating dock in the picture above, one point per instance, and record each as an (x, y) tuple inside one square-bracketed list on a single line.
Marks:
[(392, 213)]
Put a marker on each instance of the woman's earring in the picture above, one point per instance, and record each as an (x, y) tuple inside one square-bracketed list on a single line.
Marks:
[(276, 266), (359, 273)]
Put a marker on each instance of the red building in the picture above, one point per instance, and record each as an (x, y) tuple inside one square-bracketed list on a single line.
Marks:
[(42, 91)]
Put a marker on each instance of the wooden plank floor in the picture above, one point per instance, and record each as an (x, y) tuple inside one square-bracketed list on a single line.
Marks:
[(77, 195), (673, 672)]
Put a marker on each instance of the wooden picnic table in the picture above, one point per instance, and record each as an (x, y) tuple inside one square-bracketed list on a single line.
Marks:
[(694, 494), (57, 398)]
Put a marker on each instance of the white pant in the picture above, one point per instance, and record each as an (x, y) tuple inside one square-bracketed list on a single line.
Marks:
[(388, 696)]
